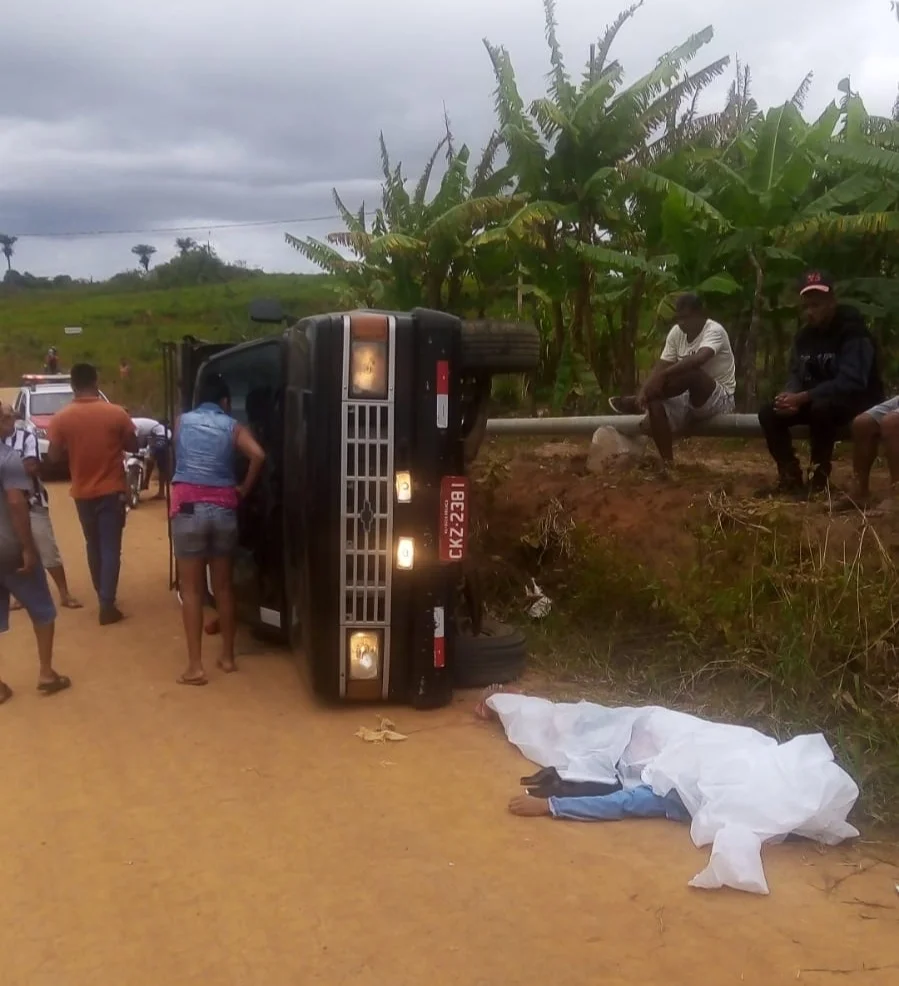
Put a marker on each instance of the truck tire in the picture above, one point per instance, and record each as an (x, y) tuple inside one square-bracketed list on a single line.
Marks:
[(496, 656), (499, 347)]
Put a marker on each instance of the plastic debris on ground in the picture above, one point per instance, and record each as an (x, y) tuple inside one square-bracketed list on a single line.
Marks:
[(742, 789), (385, 733), (539, 604)]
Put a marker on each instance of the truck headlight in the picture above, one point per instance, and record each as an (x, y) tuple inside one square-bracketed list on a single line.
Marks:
[(369, 358), (365, 655), (405, 553), (403, 487)]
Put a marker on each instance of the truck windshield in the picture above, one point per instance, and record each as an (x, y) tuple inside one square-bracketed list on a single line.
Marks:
[(49, 403)]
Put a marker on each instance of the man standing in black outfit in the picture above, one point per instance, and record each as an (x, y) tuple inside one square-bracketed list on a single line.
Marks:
[(834, 376)]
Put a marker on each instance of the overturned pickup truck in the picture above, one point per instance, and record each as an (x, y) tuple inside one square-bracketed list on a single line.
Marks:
[(353, 545)]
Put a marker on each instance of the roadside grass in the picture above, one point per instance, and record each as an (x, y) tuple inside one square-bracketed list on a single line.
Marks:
[(133, 323), (788, 625)]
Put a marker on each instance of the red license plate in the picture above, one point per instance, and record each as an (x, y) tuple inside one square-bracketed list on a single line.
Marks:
[(453, 518)]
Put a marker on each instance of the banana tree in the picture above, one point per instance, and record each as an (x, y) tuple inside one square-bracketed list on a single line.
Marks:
[(773, 194), (568, 150), (414, 251)]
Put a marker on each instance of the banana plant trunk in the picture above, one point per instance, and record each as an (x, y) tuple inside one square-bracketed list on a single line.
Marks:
[(748, 369)]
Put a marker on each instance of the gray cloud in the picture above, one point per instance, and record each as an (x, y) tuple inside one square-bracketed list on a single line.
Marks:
[(127, 117)]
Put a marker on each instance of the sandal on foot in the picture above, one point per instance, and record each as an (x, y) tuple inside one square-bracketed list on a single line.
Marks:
[(197, 682), (5, 693), (226, 668), (59, 684), (71, 603)]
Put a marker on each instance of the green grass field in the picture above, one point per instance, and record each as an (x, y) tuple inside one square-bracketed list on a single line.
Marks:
[(133, 323)]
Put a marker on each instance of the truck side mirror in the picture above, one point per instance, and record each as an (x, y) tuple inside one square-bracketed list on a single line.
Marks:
[(267, 310)]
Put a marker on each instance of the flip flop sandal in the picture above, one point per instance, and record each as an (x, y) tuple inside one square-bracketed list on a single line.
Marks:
[(59, 684), (5, 693), (196, 682)]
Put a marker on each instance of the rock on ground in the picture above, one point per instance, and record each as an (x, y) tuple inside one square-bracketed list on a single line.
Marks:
[(609, 447)]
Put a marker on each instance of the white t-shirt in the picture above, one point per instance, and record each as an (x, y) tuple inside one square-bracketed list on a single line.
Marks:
[(150, 428), (720, 367)]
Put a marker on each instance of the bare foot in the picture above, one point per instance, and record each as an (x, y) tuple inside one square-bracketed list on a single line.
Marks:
[(15, 605), (229, 667), (528, 807), (482, 710), (192, 677), (70, 602)]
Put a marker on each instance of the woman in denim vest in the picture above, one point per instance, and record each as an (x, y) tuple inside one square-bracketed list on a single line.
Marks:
[(205, 495)]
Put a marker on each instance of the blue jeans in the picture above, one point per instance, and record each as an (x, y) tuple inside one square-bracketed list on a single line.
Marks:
[(103, 520), (640, 802)]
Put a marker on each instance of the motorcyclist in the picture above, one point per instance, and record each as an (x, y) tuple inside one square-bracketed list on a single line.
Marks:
[(156, 437)]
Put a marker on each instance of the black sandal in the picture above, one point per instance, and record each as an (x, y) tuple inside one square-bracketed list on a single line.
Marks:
[(59, 684)]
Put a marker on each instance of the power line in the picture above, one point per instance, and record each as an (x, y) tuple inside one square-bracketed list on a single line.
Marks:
[(173, 229)]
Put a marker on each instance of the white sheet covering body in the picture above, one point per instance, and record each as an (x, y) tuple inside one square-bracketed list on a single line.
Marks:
[(742, 788)]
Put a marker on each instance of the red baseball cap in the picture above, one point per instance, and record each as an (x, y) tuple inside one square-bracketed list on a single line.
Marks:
[(815, 280)]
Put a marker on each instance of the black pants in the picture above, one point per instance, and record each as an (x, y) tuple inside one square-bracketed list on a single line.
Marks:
[(825, 419)]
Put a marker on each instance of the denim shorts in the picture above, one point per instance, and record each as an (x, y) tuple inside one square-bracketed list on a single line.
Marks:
[(204, 530), (33, 593)]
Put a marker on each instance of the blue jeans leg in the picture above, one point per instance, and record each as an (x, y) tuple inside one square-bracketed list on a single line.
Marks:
[(103, 521), (640, 802)]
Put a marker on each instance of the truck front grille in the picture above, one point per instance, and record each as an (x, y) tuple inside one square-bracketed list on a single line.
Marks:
[(367, 515)]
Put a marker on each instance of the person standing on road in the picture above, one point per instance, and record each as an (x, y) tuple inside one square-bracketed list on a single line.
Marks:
[(834, 376), (157, 437), (23, 441), (695, 378), (95, 435), (205, 494), (21, 572)]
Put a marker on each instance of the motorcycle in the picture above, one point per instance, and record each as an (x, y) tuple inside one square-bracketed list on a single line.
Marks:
[(135, 475)]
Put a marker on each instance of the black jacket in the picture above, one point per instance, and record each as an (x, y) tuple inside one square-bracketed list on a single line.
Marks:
[(838, 361)]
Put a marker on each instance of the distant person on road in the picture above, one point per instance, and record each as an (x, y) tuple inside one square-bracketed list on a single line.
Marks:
[(834, 376), (95, 436), (157, 437), (205, 494), (52, 362), (694, 379), (21, 572), (124, 369), (23, 441)]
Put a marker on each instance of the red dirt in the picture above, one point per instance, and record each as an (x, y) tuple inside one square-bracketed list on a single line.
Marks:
[(646, 513)]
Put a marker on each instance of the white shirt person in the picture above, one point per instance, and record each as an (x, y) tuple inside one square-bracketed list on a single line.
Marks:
[(694, 379)]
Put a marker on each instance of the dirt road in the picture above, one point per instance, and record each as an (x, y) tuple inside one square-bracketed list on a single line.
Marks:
[(240, 835)]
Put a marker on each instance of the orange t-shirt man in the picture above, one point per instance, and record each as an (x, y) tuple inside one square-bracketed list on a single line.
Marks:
[(95, 435)]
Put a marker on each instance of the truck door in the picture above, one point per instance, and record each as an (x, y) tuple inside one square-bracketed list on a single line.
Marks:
[(181, 362), (255, 375)]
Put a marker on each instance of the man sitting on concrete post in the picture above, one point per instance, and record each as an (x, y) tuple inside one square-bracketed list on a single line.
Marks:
[(834, 377), (694, 379)]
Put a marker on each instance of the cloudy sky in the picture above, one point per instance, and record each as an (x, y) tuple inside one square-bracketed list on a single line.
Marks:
[(200, 113)]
